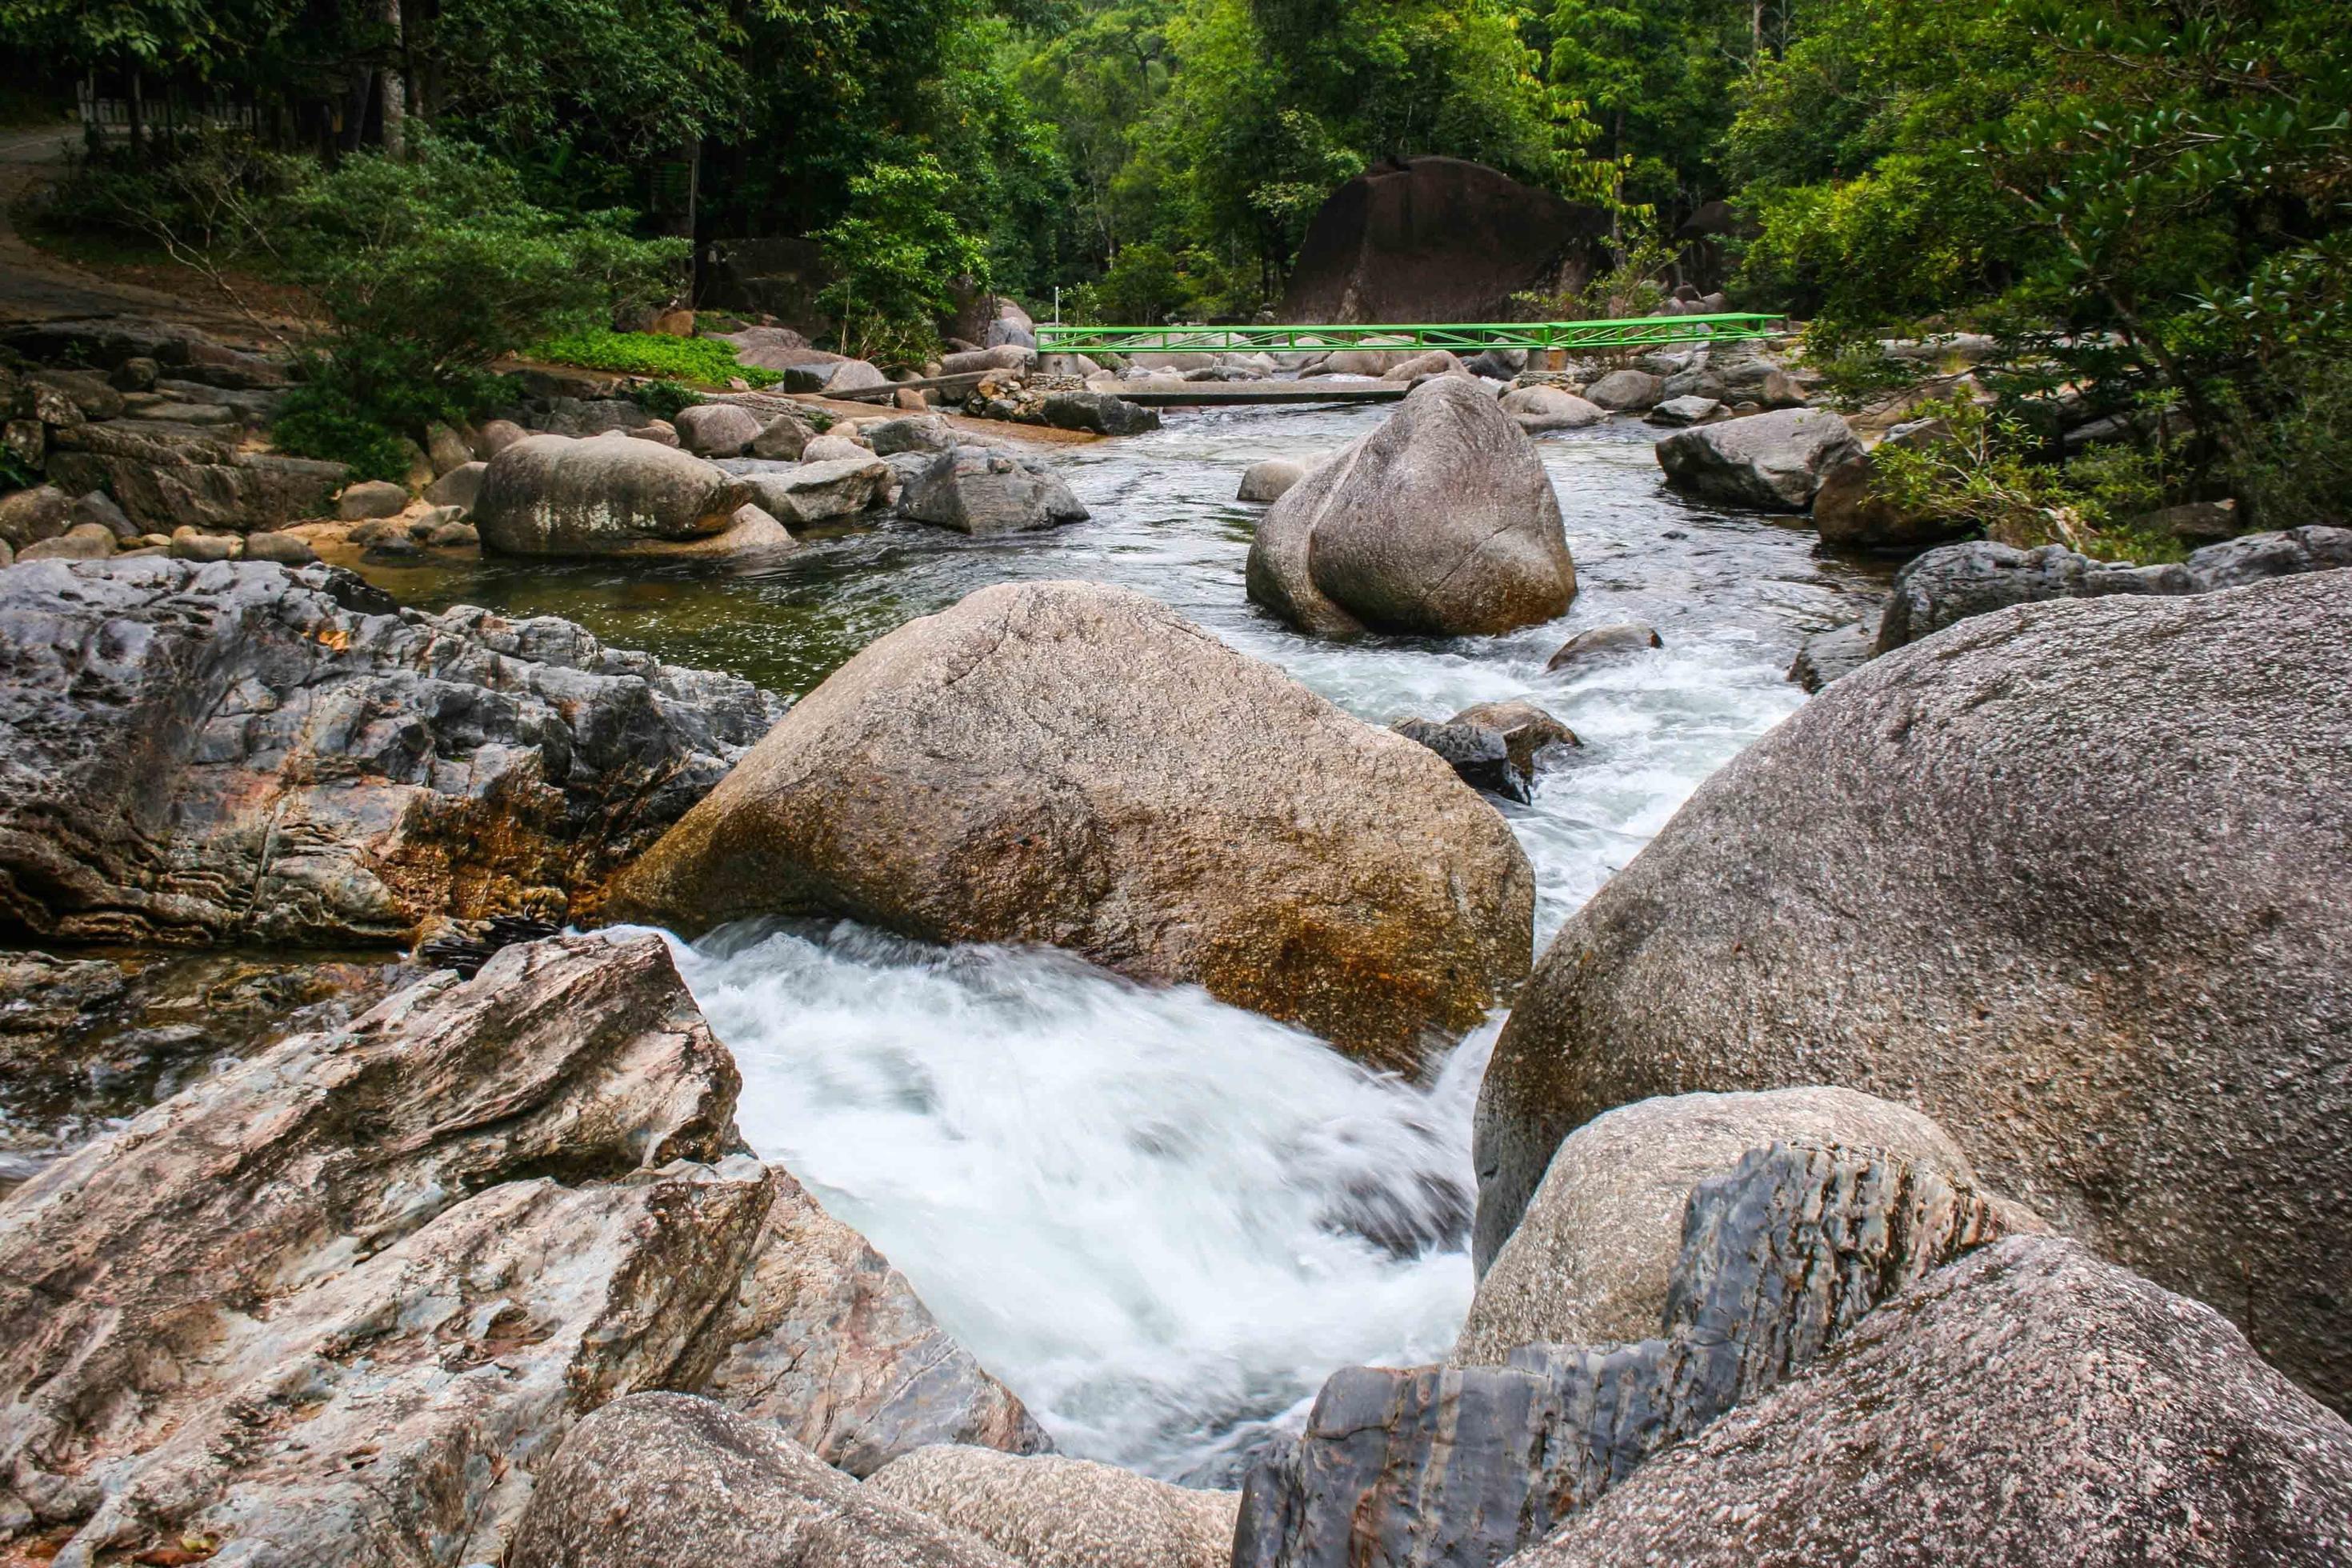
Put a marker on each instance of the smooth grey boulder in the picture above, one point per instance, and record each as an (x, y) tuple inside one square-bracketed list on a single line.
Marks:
[(82, 542), (195, 545), (2064, 836), (554, 495), (1433, 1467), (785, 437), (1496, 364), (1689, 409), (834, 376), (1774, 461), (717, 429), (495, 437), (1441, 520), (980, 490), (1434, 362), (1476, 752), (99, 507), (285, 549), (1626, 391), (1003, 331), (1948, 585), (1592, 1258), (1053, 1513), (1104, 412), (1825, 656), (662, 1481), (1003, 356), (836, 445), (915, 433), (2028, 1405), (1269, 478), (317, 766), (1603, 642), (805, 493), (2255, 557), (372, 497), (1543, 407), (1104, 776), (659, 431), (445, 448), (460, 486)]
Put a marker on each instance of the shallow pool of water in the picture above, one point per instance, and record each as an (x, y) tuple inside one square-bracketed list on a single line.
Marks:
[(1161, 1220)]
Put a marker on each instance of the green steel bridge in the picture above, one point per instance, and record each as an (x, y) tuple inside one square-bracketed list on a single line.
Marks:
[(1630, 332)]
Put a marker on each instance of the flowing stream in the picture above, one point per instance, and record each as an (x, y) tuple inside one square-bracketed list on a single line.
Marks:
[(1161, 1220)]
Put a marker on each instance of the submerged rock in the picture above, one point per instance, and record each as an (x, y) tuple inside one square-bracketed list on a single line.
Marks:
[(1774, 460), (1443, 521), (2065, 835), (2028, 1405), (1600, 642), (1476, 752), (1269, 478), (1528, 731), (662, 1481), (555, 495), (1052, 1512), (1096, 773), (1439, 1465), (316, 768), (1825, 656)]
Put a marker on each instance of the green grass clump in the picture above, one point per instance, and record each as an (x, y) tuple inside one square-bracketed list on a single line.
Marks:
[(704, 359)]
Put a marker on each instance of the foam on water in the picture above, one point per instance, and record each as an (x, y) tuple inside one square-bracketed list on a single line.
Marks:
[(1162, 1221)]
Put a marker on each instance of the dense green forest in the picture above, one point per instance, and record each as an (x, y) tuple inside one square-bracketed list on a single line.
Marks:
[(2149, 195)]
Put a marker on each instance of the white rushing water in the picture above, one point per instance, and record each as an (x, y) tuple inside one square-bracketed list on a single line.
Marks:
[(1161, 1220)]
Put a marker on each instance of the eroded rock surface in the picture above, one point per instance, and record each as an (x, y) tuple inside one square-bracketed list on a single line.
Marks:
[(1449, 1464), (1098, 774), (2027, 1405), (2082, 906), (206, 753)]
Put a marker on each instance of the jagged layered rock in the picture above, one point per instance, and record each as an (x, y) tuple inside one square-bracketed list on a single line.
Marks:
[(831, 1344), (1949, 584), (1098, 774), (1774, 460), (338, 1301), (165, 475), (1053, 1513), (1441, 520), (210, 753), (803, 493), (980, 490), (1099, 412), (662, 1479), (2064, 835), (604, 495), (1592, 1259), (2028, 1405), (1447, 1465)]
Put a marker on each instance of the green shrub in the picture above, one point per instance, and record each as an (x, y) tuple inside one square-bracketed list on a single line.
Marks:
[(704, 359), (665, 399), (894, 253), (318, 423)]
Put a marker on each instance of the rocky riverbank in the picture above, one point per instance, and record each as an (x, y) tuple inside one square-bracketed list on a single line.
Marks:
[(1934, 1121)]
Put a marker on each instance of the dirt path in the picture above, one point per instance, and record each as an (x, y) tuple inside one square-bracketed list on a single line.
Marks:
[(36, 285)]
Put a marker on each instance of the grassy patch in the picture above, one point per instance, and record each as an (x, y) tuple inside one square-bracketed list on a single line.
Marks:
[(704, 359)]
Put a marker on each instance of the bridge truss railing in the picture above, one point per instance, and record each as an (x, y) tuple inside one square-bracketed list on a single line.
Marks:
[(1635, 331)]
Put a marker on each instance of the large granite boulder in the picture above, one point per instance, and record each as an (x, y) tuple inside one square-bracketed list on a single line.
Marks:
[(338, 1301), (1053, 1513), (1076, 764), (1956, 581), (1774, 460), (661, 1480), (1434, 1466), (717, 429), (1441, 520), (1592, 1258), (2028, 1405), (238, 751), (1540, 407), (832, 377), (1439, 239), (2059, 877), (165, 475), (1627, 391), (980, 490), (558, 495)]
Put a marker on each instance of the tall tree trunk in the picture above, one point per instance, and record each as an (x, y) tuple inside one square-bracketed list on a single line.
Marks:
[(393, 81)]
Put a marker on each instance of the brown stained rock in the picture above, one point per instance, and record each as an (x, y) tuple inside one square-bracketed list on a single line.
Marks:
[(1098, 774), (2029, 1404), (558, 495), (831, 1343), (2065, 877), (1048, 1511), (1592, 1259), (1441, 520), (1526, 730), (664, 1480), (204, 753)]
